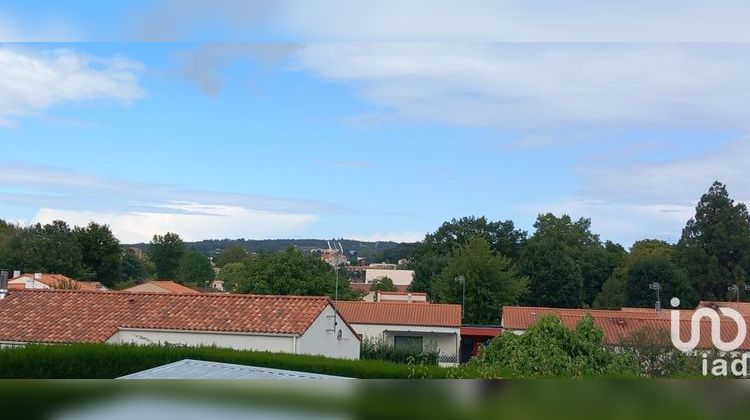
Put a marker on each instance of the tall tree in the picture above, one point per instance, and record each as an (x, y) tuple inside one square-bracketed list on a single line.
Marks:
[(133, 267), (100, 253), (566, 263), (195, 269), (166, 253), (50, 248), (233, 253), (644, 271), (715, 244), (483, 281), (7, 232), (431, 255), (231, 275)]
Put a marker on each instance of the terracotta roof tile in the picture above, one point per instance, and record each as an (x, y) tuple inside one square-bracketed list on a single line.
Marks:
[(66, 316), (401, 313), (53, 280), (619, 325)]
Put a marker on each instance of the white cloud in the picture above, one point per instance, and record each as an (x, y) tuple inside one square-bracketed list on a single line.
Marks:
[(32, 81), (213, 221), (525, 86)]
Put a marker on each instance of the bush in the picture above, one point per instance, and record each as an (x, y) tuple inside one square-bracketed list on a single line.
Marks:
[(105, 361), (378, 349), (549, 349)]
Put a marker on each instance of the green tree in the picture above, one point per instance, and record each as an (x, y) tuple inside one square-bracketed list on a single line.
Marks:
[(555, 278), (384, 284), (291, 273), (100, 253), (566, 263), (645, 270), (166, 253), (50, 248), (133, 267), (7, 233), (195, 268), (491, 282), (233, 253), (613, 294), (430, 257), (231, 275), (549, 349), (715, 245)]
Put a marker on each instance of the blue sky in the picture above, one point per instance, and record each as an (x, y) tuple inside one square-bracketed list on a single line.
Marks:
[(224, 124)]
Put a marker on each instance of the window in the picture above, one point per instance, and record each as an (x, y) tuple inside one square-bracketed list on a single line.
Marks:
[(407, 343)]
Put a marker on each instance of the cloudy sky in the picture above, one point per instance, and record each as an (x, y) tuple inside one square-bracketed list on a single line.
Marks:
[(328, 119)]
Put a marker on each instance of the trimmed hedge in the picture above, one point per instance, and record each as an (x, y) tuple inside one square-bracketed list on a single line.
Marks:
[(105, 361)]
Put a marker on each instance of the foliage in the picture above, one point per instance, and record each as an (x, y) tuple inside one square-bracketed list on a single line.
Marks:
[(657, 357), (555, 278), (106, 361), (50, 248), (291, 273), (100, 252), (549, 349), (566, 263), (379, 349), (166, 253), (431, 255), (384, 284), (195, 268), (645, 270), (491, 282), (231, 275), (233, 253), (7, 233), (715, 244), (133, 267)]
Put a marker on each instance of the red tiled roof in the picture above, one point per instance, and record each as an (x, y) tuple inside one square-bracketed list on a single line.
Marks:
[(365, 287), (53, 280), (741, 307), (67, 316), (481, 331), (168, 286), (401, 313), (619, 325)]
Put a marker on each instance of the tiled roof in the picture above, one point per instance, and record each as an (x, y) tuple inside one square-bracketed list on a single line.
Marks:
[(741, 307), (365, 287), (401, 313), (66, 316), (620, 325), (168, 286), (53, 280)]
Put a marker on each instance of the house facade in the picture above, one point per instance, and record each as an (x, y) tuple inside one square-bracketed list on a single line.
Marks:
[(408, 325), (288, 324)]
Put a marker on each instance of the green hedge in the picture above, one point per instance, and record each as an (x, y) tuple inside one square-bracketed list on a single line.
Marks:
[(104, 361)]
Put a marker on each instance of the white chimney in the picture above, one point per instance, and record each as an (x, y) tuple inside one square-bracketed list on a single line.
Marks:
[(16, 273), (3, 284), (37, 276)]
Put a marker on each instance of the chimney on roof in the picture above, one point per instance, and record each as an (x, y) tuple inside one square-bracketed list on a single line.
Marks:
[(16, 273), (3, 284)]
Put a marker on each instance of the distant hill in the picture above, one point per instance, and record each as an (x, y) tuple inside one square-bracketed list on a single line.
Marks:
[(364, 249)]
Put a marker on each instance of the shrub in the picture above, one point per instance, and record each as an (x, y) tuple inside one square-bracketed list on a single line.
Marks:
[(378, 349), (103, 361)]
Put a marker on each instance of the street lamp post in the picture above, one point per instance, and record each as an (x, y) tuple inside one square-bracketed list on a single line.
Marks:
[(735, 289), (657, 287), (462, 280)]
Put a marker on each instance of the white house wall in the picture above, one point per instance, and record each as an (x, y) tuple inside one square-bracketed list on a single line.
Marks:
[(284, 344), (399, 277), (318, 340), (447, 339)]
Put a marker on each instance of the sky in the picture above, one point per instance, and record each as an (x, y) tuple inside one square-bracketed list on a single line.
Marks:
[(369, 120)]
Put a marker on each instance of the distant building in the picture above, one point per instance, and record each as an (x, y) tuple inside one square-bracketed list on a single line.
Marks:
[(163, 286), (51, 281), (399, 277)]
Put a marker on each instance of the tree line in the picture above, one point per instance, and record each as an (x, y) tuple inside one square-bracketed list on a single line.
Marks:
[(564, 264), (481, 263)]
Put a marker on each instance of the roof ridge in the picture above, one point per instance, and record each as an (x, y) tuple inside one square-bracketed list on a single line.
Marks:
[(213, 295)]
